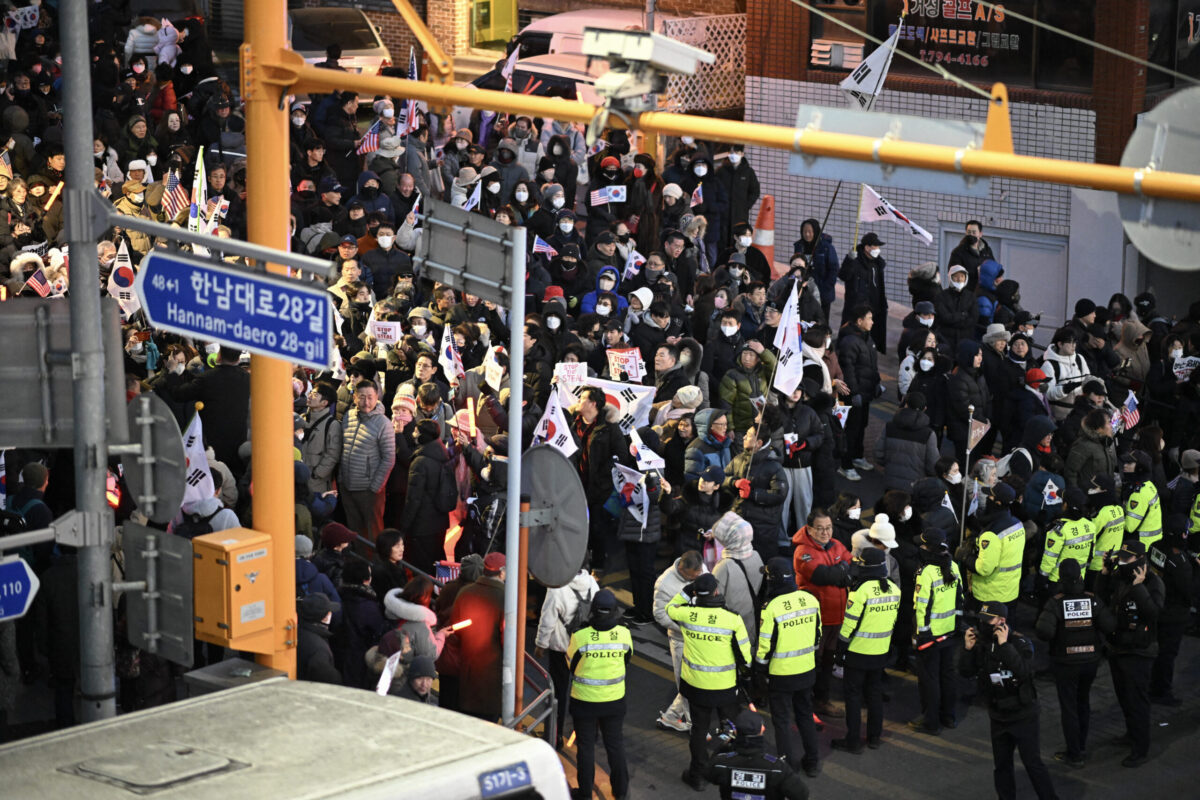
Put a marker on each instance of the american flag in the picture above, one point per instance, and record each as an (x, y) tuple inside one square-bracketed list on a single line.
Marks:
[(698, 195), (370, 140), (175, 198), (540, 245), (6, 163), (410, 107), (1129, 411), (37, 281)]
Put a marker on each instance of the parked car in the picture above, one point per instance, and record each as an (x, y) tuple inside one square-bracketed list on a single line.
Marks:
[(555, 75), (563, 33), (311, 30)]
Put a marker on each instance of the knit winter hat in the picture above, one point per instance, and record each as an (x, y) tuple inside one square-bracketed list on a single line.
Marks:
[(672, 190), (883, 532), (689, 396)]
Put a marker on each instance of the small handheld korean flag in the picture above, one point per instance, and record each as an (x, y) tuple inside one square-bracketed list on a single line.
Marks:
[(473, 200), (646, 458), (449, 358), (630, 486), (198, 477), (842, 412), (1051, 494), (554, 430)]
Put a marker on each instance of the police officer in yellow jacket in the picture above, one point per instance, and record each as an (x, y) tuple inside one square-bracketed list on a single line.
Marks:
[(789, 632), (1108, 523), (715, 648), (937, 608), (996, 569), (1070, 537), (1143, 510), (598, 655), (871, 611)]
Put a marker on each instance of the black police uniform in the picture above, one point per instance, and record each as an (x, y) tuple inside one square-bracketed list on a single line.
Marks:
[(1005, 678), (1075, 623), (1170, 558), (1133, 647), (745, 772)]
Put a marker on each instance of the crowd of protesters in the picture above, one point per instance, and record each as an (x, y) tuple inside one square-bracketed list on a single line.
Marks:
[(401, 450)]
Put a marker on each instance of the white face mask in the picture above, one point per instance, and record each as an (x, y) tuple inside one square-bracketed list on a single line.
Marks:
[(957, 286), (494, 188), (553, 323), (745, 241), (926, 365), (854, 513), (735, 158), (418, 330), (926, 321), (558, 201), (729, 330), (566, 227), (212, 349), (874, 252), (1177, 352), (907, 514), (828, 341), (137, 198), (700, 170), (521, 195), (735, 272), (386, 241), (298, 120), (606, 284), (152, 159), (186, 69), (954, 479), (603, 311)]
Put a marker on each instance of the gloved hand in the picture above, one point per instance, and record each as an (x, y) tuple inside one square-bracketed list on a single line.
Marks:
[(839, 656), (743, 487), (1071, 386), (843, 568), (796, 447), (924, 639), (856, 401), (689, 591), (759, 681)]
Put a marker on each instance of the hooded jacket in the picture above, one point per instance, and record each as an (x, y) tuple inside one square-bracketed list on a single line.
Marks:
[(822, 259), (966, 387), (380, 202), (1139, 357), (1090, 455), (558, 609), (1066, 375), (955, 314), (669, 584), (706, 450), (511, 172), (768, 490), (416, 624), (714, 203), (739, 590), (739, 387), (908, 449), (362, 626), (986, 300)]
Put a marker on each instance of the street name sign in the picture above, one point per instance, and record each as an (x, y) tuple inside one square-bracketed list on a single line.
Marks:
[(265, 314), (18, 587)]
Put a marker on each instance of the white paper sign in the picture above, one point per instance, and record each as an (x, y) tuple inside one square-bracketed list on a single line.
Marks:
[(385, 332), (389, 672), (571, 372), (627, 360)]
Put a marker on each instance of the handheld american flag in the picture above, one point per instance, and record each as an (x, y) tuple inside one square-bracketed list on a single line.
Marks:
[(37, 282), (370, 140), (698, 195), (540, 245), (1129, 411), (175, 198), (411, 123)]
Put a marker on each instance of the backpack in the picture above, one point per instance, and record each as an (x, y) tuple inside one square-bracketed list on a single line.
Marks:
[(583, 612), (1004, 465), (194, 525), (12, 520), (445, 499)]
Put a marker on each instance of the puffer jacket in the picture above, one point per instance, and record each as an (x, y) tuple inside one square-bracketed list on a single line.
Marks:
[(987, 301), (558, 609), (768, 490), (802, 426), (368, 451), (955, 316), (859, 361), (1090, 455), (588, 304), (321, 450), (739, 387), (416, 624), (908, 449), (819, 572), (966, 387), (1066, 378), (511, 171), (705, 450)]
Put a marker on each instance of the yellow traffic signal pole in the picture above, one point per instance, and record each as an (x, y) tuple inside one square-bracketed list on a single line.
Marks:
[(268, 204)]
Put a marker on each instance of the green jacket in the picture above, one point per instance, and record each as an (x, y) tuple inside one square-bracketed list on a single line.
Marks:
[(738, 387)]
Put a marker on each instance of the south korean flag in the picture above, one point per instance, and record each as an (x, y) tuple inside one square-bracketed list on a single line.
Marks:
[(631, 400), (199, 482), (554, 430)]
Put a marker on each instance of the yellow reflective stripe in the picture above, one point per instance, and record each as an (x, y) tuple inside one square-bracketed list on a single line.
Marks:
[(703, 668), (796, 653)]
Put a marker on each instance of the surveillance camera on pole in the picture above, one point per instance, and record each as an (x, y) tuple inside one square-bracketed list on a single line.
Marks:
[(639, 64)]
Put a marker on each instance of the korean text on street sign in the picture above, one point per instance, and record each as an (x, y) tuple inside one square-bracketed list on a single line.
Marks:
[(264, 314), (18, 587)]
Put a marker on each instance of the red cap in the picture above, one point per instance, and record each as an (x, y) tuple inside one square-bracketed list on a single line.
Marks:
[(493, 563), (610, 161), (1034, 376), (552, 292), (335, 533)]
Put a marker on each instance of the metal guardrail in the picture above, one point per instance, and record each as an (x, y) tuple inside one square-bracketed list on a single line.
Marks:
[(543, 708)]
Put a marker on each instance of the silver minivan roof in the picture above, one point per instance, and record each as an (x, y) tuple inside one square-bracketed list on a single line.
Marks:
[(576, 21)]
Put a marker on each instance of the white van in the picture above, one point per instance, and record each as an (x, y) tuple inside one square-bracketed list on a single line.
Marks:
[(281, 740), (557, 75), (563, 33)]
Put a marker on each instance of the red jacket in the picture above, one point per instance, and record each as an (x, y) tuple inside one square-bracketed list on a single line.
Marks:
[(806, 558)]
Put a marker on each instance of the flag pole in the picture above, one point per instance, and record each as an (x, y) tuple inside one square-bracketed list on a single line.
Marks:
[(870, 106)]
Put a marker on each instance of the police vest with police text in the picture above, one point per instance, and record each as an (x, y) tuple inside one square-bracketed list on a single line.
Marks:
[(1143, 514), (599, 675), (714, 642), (1109, 527), (1077, 638), (936, 604), (871, 611), (789, 633), (1067, 539)]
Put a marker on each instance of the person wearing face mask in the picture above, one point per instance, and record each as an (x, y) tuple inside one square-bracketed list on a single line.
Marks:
[(971, 252), (603, 253), (132, 204), (724, 342), (544, 221), (602, 216), (701, 185), (996, 553), (741, 242), (558, 156), (1136, 595), (508, 166), (565, 232), (862, 275), (965, 388), (608, 282), (916, 327), (740, 182), (955, 309), (386, 261), (371, 197)]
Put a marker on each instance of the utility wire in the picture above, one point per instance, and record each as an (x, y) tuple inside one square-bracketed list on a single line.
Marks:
[(1091, 43), (936, 68)]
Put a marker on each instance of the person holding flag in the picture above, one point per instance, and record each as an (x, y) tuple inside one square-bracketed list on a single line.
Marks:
[(862, 275), (201, 512), (708, 198)]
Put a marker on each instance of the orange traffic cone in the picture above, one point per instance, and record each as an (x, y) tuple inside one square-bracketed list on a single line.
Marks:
[(764, 234)]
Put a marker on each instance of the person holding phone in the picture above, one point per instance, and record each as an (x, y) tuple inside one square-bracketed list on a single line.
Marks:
[(1001, 660)]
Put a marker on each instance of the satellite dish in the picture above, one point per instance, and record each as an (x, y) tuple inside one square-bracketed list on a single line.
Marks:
[(157, 484), (1165, 231), (558, 529)]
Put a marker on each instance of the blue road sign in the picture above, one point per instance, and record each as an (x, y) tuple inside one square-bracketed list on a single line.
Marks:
[(266, 314), (18, 587)]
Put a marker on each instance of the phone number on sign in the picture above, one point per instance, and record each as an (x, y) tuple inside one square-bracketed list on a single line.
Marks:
[(962, 59)]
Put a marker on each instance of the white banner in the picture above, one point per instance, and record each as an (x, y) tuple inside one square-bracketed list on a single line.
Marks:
[(571, 372), (631, 400), (384, 332), (646, 458)]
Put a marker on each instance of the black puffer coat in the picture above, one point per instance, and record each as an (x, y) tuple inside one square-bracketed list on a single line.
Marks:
[(907, 449), (859, 361), (966, 387)]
